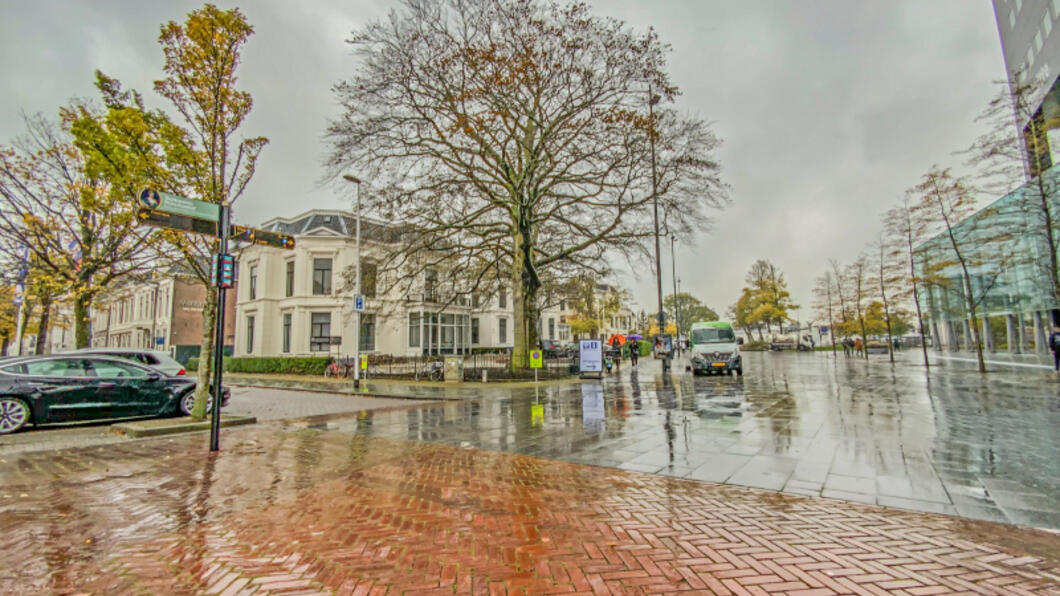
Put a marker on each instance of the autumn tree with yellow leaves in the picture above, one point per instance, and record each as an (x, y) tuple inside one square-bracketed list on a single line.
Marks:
[(197, 156)]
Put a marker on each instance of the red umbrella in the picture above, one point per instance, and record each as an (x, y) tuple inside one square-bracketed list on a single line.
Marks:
[(616, 337)]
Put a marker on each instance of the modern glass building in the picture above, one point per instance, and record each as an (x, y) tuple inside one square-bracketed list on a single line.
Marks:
[(1006, 251)]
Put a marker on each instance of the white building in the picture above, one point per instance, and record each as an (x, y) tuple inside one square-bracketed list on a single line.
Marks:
[(298, 302)]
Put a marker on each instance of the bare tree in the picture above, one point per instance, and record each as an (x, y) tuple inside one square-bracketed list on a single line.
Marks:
[(906, 229), (1015, 152), (968, 240), (517, 139), (888, 279), (856, 275), (840, 281), (824, 292)]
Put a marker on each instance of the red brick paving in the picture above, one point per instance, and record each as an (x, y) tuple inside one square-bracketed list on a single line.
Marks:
[(307, 512)]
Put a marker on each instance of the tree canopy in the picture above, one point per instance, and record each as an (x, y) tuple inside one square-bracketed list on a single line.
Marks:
[(517, 138)]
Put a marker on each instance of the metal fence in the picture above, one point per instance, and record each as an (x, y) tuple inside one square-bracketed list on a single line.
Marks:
[(496, 366)]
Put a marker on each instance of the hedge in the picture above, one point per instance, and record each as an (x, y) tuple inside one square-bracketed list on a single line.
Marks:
[(312, 365)]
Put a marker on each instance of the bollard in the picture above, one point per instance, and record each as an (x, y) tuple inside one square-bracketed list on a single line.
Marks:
[(483, 375)]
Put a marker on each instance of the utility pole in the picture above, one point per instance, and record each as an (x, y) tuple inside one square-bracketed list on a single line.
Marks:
[(677, 311), (357, 285), (223, 225)]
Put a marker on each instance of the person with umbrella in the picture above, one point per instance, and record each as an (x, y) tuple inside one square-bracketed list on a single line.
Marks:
[(634, 348), (616, 342)]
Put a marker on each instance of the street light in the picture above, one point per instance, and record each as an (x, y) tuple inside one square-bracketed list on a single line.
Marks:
[(677, 312), (357, 285), (652, 100)]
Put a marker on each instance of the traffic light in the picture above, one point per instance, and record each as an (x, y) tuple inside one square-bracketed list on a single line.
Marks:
[(224, 271)]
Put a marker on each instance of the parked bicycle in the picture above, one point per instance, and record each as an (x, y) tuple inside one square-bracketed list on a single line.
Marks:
[(433, 371), (339, 367)]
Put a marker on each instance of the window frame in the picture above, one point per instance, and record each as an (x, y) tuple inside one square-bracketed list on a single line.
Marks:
[(325, 283)]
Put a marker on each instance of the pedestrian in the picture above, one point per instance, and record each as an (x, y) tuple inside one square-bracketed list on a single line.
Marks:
[(859, 347), (1054, 345), (846, 346), (634, 352)]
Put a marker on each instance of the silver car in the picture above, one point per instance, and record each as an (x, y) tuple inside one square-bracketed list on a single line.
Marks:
[(157, 360)]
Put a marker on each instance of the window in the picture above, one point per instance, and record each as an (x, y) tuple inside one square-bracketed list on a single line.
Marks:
[(289, 280), (430, 282), (286, 333), (320, 331), (250, 334), (502, 300), (253, 282), (414, 330), (369, 275), (563, 305), (551, 328), (49, 368), (110, 370), (502, 327), (322, 277), (367, 333), (474, 331)]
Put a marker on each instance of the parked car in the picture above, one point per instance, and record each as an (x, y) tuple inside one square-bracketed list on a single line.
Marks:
[(876, 347), (157, 360), (78, 387), (551, 349)]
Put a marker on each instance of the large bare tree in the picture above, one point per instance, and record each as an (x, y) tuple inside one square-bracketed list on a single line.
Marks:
[(517, 139), (905, 229)]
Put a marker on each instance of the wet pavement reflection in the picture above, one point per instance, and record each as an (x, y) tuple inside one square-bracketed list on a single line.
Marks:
[(949, 442), (402, 501)]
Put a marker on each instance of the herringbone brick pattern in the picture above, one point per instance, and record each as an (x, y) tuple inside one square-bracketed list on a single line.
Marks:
[(299, 512)]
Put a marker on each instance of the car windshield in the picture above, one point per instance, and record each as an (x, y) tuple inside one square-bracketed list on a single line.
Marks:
[(710, 335)]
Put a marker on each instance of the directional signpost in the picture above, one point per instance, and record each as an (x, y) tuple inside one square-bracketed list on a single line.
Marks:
[(174, 212)]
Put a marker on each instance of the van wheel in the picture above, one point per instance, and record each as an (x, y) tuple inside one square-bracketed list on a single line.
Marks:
[(739, 371)]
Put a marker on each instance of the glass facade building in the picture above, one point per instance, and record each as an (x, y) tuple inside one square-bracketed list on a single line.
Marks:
[(1006, 251)]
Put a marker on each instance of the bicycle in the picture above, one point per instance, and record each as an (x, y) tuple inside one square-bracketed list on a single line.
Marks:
[(338, 367), (432, 371)]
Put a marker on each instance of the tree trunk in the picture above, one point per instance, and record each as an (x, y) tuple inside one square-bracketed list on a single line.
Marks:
[(42, 327), (204, 376), (974, 324), (525, 285), (916, 301), (82, 337), (3, 345)]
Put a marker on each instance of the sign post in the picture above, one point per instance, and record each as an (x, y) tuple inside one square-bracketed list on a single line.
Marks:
[(535, 362), (223, 275)]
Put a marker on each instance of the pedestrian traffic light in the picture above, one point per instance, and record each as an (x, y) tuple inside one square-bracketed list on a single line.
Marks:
[(226, 271)]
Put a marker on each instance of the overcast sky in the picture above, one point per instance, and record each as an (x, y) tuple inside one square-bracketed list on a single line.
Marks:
[(828, 110)]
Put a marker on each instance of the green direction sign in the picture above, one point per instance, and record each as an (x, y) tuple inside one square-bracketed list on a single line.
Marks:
[(161, 219), (170, 203)]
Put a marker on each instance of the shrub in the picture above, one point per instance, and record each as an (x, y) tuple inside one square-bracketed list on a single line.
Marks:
[(193, 364), (313, 365), (755, 346)]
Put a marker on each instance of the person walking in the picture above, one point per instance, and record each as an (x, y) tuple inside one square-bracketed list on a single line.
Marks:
[(634, 352), (1054, 345), (859, 347)]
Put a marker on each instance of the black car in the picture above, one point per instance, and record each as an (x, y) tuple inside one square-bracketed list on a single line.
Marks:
[(77, 387), (552, 349)]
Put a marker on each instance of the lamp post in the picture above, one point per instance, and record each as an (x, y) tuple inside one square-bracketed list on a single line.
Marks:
[(357, 284), (673, 271), (652, 100)]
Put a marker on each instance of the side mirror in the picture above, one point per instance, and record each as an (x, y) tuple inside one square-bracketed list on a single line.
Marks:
[(739, 341), (154, 376)]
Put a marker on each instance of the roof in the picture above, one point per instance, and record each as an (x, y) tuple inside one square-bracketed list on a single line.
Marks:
[(714, 324), (338, 222)]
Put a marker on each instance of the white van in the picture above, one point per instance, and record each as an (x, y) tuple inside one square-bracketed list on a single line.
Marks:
[(715, 349)]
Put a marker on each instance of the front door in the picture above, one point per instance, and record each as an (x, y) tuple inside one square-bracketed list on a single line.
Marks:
[(126, 387)]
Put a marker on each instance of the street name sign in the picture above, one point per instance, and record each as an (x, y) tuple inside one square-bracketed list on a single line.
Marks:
[(178, 205), (262, 237), (183, 223)]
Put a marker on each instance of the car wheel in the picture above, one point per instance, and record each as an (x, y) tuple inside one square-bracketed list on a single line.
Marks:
[(187, 403), (739, 372), (14, 414)]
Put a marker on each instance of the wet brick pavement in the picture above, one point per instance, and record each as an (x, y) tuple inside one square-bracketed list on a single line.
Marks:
[(952, 442), (287, 510)]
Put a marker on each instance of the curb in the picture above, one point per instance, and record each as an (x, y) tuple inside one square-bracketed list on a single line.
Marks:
[(330, 388), (138, 430)]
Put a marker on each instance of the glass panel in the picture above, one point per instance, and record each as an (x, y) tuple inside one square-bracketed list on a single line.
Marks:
[(109, 370), (321, 276), (320, 332)]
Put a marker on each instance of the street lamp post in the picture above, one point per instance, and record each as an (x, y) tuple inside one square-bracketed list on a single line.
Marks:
[(652, 100), (677, 312), (357, 284)]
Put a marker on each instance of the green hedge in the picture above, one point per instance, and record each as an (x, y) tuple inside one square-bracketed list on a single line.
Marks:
[(755, 346), (313, 365)]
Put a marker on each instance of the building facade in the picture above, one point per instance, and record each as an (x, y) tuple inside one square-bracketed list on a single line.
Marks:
[(164, 313), (300, 302)]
